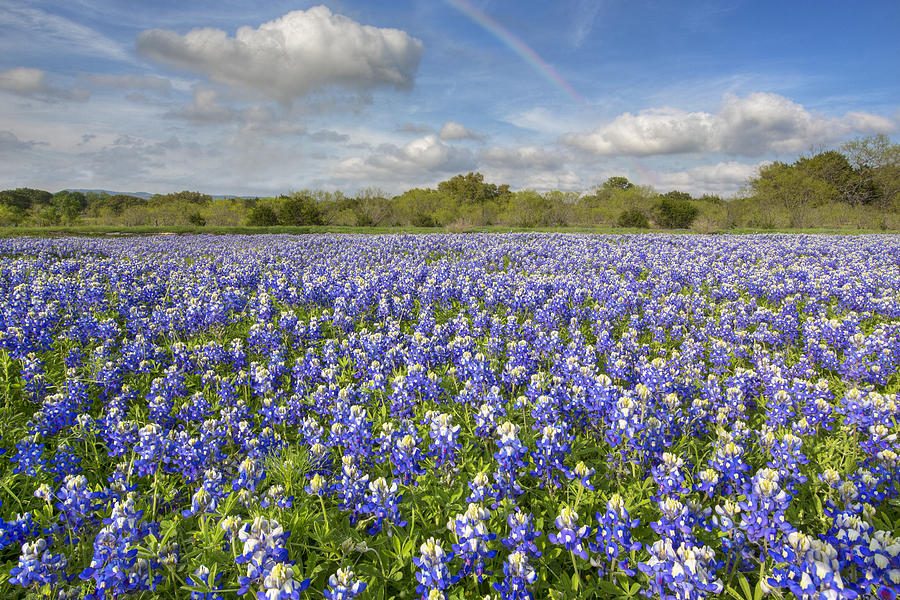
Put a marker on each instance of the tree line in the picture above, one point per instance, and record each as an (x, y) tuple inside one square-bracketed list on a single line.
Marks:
[(857, 185)]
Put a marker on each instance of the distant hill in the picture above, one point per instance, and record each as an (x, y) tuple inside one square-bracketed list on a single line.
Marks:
[(147, 196), (143, 195)]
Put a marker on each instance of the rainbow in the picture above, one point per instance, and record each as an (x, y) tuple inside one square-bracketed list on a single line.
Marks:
[(519, 47)]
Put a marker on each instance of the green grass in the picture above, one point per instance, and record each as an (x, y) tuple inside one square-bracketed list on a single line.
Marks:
[(112, 231)]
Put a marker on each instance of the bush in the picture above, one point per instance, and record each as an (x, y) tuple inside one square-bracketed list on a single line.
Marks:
[(262, 215), (299, 210), (674, 211), (424, 220), (196, 219), (634, 218)]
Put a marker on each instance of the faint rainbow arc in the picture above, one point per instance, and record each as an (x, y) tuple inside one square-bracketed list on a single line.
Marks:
[(546, 70), (519, 47)]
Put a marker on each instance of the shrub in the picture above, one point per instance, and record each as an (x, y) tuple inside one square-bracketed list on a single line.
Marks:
[(262, 215), (674, 211), (634, 218)]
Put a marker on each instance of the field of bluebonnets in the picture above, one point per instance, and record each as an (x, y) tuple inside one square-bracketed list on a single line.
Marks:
[(450, 416)]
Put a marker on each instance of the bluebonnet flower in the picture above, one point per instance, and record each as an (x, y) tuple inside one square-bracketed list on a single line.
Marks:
[(763, 510), (522, 534), (382, 502), (318, 486), (150, 449), (29, 457), (267, 561), (518, 575), (582, 473), (115, 567), (433, 575), (808, 567), (352, 489), (76, 502), (275, 496), (683, 572), (342, 586), (486, 419), (552, 447), (472, 535), (444, 440), (38, 566), (406, 458), (64, 462), (669, 477), (480, 486), (570, 536), (510, 454), (613, 538)]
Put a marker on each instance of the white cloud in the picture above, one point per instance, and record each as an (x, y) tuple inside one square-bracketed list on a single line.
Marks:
[(723, 178), (424, 156), (455, 131), (205, 109), (131, 82), (546, 181), (32, 83), (750, 126), (300, 53)]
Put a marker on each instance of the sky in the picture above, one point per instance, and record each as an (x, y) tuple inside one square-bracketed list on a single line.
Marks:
[(262, 98)]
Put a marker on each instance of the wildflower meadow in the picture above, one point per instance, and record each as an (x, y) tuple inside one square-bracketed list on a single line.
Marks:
[(465, 416)]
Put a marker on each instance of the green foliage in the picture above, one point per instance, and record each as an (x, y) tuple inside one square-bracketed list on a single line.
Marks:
[(674, 210), (69, 205), (617, 183), (24, 198), (298, 209), (855, 187), (182, 197), (262, 215), (471, 189), (196, 219), (633, 218)]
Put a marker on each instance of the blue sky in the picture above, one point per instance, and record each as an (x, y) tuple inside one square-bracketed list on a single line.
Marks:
[(229, 98)]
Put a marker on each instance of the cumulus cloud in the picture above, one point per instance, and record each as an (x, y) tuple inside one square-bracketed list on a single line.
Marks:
[(131, 82), (422, 156), (32, 83), (205, 109), (298, 54), (455, 131), (255, 120), (723, 178), (546, 181), (750, 126)]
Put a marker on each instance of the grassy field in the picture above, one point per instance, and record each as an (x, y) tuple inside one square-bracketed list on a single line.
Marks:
[(95, 230)]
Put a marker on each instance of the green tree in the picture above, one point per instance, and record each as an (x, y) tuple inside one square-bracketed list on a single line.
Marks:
[(182, 197), (877, 160), (673, 210), (69, 205), (791, 189), (633, 218), (299, 209), (262, 215), (617, 183)]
